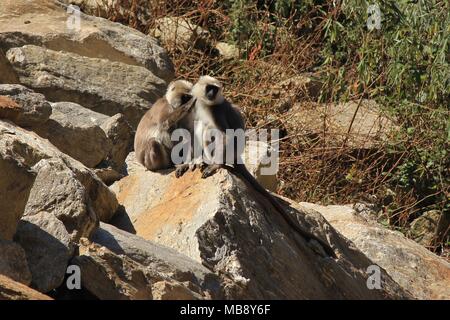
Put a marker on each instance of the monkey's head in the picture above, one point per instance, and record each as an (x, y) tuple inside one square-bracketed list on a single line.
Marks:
[(208, 90), (179, 93)]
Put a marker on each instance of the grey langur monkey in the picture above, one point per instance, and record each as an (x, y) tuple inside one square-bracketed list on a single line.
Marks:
[(213, 111), (152, 142)]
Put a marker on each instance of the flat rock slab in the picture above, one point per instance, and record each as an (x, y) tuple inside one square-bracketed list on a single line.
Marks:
[(12, 290), (46, 23), (98, 84), (119, 265)]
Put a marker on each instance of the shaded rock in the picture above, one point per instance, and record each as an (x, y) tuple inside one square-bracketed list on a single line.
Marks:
[(108, 175), (7, 74), (90, 137), (221, 223), (72, 129), (13, 262), (93, 37), (108, 275), (48, 248), (179, 31), (163, 260), (120, 134), (12, 290), (77, 194), (415, 268), (23, 106), (98, 84), (429, 227)]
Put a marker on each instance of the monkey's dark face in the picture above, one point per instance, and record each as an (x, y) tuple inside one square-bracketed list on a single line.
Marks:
[(208, 91), (211, 92), (181, 100), (179, 93)]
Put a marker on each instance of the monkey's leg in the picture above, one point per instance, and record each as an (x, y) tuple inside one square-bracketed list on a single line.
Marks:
[(156, 156), (211, 170), (181, 169)]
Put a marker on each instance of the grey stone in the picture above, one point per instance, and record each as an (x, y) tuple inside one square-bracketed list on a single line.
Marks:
[(104, 86), (31, 108), (13, 262), (416, 269), (48, 249)]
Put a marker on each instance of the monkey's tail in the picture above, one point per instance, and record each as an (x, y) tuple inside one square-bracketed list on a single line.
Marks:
[(240, 169)]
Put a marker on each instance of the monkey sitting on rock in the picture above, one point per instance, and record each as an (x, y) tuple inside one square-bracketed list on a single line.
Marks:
[(152, 143), (213, 112)]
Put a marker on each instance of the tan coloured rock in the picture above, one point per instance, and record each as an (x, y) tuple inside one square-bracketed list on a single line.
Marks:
[(134, 11), (90, 137), (415, 268), (51, 25), (179, 31), (12, 290), (221, 223), (62, 202), (228, 51), (368, 128), (98, 84), (16, 181)]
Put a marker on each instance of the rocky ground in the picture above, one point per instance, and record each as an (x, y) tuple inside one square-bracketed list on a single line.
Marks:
[(71, 193)]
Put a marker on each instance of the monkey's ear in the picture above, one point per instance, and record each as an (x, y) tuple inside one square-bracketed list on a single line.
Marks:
[(171, 86)]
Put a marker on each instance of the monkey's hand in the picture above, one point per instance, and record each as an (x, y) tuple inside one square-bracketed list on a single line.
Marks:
[(210, 170), (181, 169)]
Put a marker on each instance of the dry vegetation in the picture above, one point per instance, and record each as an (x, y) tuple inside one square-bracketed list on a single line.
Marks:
[(404, 66)]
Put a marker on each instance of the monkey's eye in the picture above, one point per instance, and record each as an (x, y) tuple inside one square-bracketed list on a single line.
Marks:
[(185, 98)]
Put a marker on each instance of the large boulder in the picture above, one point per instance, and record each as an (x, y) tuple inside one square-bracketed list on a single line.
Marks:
[(48, 247), (13, 262), (221, 223), (39, 156), (47, 23), (104, 86), (74, 131), (415, 268), (12, 290), (175, 32), (69, 56), (63, 201), (23, 106), (88, 136), (119, 265)]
